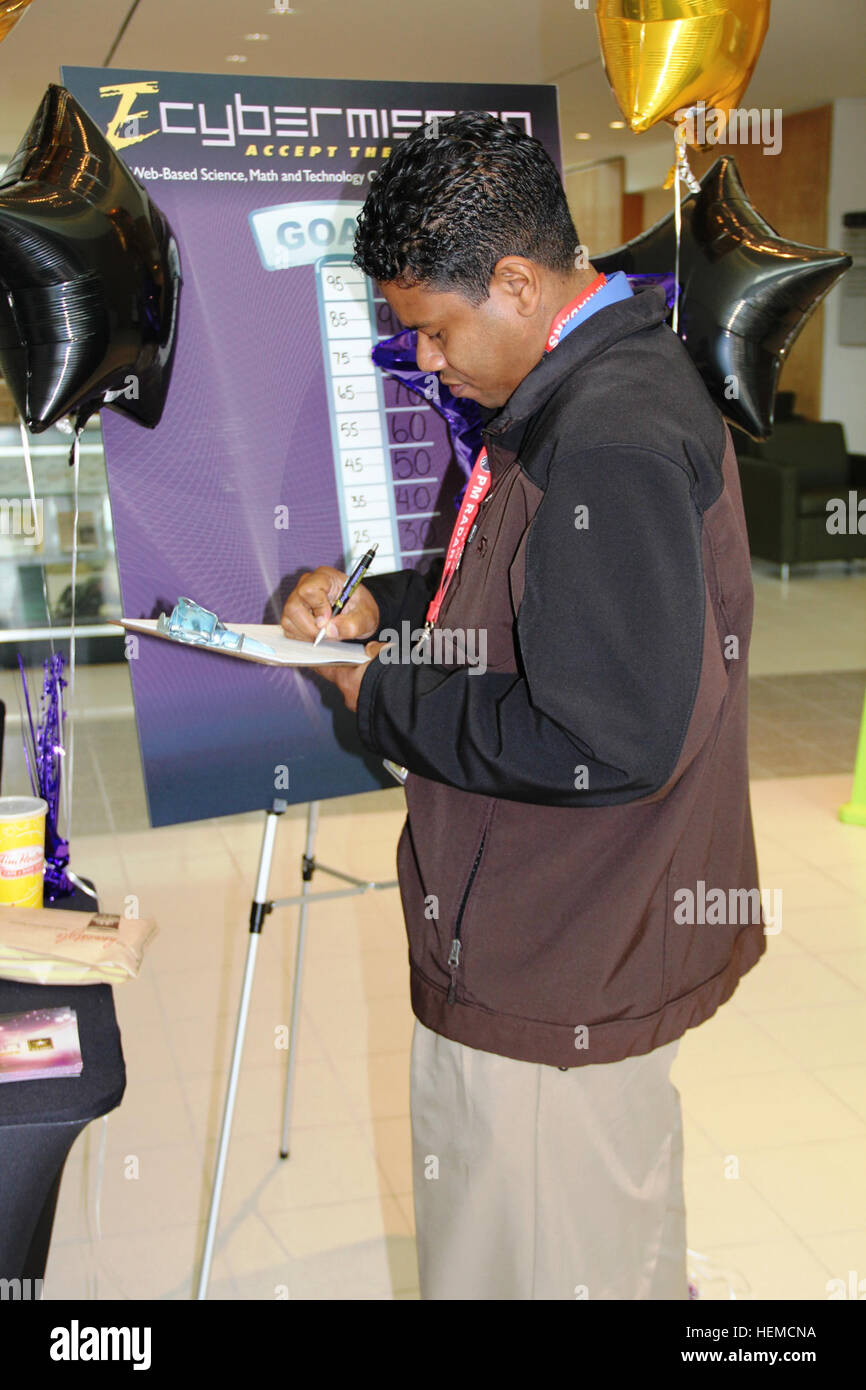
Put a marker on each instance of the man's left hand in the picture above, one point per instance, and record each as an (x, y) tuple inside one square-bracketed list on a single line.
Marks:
[(348, 679)]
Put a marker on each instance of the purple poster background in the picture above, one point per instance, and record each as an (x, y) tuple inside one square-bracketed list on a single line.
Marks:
[(246, 434)]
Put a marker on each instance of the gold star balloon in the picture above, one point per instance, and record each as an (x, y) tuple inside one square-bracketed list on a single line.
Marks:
[(10, 13), (665, 56)]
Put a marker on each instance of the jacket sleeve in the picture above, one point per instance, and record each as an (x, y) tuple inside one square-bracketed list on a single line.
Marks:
[(403, 595), (609, 642)]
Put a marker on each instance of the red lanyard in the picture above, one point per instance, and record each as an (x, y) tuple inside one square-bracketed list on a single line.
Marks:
[(474, 495), (572, 310), (479, 482)]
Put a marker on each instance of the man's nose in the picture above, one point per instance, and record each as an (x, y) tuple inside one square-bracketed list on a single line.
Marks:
[(428, 356)]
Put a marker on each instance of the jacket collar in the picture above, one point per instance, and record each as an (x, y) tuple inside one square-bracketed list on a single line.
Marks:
[(646, 308)]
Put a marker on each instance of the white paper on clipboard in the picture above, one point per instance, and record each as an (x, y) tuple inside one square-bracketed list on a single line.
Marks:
[(287, 650)]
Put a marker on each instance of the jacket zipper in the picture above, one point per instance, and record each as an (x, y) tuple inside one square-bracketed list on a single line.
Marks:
[(454, 955)]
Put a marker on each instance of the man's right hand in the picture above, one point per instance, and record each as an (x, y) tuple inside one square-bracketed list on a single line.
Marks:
[(308, 608)]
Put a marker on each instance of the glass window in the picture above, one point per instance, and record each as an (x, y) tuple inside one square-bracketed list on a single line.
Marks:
[(36, 557)]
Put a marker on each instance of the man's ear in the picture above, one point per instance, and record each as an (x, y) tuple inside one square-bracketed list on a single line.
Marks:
[(520, 280)]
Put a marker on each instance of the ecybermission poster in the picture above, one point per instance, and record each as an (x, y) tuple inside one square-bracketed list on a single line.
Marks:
[(282, 446)]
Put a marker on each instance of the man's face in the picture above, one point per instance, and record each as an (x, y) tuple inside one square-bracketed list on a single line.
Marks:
[(482, 351)]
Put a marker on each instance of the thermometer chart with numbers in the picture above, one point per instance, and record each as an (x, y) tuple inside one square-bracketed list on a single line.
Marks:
[(391, 448)]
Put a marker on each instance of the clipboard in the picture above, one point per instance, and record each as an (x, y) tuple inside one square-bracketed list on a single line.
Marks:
[(287, 651)]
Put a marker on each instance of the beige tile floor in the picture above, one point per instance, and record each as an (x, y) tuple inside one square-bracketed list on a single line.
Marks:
[(814, 622), (773, 1087)]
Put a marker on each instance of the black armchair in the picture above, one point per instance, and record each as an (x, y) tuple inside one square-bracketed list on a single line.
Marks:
[(791, 482)]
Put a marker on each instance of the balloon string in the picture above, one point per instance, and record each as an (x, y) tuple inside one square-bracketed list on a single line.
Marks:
[(681, 170), (71, 682), (28, 468), (678, 220)]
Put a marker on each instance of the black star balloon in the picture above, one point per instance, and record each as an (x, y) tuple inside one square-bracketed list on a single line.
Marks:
[(746, 292), (89, 276)]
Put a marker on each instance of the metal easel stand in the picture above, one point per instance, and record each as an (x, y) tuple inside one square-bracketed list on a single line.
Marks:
[(261, 906)]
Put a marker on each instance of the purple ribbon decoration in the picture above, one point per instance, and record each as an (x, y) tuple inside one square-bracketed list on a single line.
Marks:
[(666, 279), (398, 357), (43, 755)]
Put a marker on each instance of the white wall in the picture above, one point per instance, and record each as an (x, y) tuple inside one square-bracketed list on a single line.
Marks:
[(647, 164), (843, 388)]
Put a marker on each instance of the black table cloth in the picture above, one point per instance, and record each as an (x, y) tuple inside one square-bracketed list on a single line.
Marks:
[(40, 1120)]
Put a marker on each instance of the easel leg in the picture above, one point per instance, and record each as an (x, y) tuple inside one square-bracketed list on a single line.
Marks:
[(258, 912), (307, 875)]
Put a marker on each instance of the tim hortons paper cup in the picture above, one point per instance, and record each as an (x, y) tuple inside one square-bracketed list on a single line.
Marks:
[(22, 850)]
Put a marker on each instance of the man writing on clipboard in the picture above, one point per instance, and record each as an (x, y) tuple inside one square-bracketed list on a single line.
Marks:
[(564, 804)]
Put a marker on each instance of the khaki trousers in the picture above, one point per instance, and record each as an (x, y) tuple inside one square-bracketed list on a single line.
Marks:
[(536, 1183)]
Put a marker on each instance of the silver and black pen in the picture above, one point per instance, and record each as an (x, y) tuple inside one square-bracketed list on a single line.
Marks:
[(349, 588)]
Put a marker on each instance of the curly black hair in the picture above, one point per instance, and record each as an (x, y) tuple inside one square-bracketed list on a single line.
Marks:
[(456, 196)]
